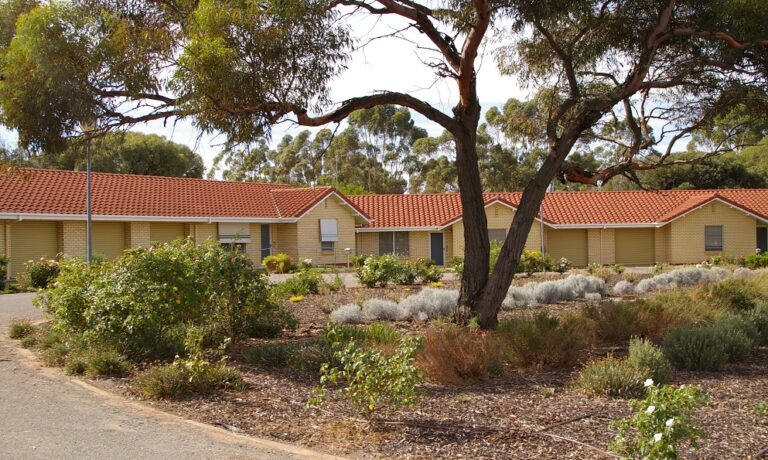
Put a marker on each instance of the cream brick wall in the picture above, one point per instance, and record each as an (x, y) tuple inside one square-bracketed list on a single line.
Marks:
[(109, 239), (686, 241), (570, 243), (3, 247), (419, 245), (137, 235), (165, 232), (30, 240), (499, 216), (594, 246), (635, 246), (73, 239), (368, 243), (308, 232), (253, 249), (285, 239), (448, 235)]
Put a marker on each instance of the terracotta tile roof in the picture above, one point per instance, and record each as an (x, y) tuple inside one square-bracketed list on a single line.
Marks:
[(42, 191), (562, 208)]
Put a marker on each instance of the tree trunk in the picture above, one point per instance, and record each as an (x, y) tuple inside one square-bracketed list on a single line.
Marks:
[(476, 245)]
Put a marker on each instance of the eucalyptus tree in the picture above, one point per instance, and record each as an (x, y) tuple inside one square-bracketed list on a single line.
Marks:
[(241, 66)]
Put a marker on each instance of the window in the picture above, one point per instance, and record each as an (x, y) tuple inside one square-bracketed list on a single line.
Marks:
[(497, 234), (234, 232), (235, 247), (326, 246), (713, 237), (397, 243), (329, 231)]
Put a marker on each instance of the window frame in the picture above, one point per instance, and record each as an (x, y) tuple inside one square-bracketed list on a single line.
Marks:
[(497, 230), (708, 246), (327, 246), (393, 238)]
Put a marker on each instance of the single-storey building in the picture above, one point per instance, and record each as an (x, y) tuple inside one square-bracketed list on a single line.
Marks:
[(42, 214)]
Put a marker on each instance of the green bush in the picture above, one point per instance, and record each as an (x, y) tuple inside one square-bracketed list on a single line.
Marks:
[(649, 360), (732, 294), (379, 271), (616, 322), (660, 423), (55, 355), (618, 269), (358, 260), (406, 273), (371, 379), (41, 272), (20, 329), (738, 337), (759, 318), (279, 263), (3, 271), (457, 264), (304, 282), (29, 341), (543, 340), (533, 261), (186, 377), (105, 363), (561, 266), (611, 377), (142, 302), (335, 285), (76, 365), (755, 261), (307, 356), (696, 348)]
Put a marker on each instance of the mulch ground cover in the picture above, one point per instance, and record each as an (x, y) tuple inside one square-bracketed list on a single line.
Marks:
[(525, 413)]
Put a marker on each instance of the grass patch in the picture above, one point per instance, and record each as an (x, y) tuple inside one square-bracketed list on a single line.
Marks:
[(178, 380), (616, 322), (544, 340), (20, 328), (610, 377), (307, 356), (458, 356)]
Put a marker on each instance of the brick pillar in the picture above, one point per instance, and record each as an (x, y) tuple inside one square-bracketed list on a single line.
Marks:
[(73, 238), (137, 235)]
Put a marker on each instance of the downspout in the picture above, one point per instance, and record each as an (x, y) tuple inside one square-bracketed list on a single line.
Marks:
[(601, 245)]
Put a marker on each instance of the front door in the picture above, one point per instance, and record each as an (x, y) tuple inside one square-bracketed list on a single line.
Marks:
[(762, 239), (436, 248)]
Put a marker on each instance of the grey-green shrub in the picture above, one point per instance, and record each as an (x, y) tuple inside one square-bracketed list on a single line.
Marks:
[(303, 356), (758, 317), (616, 322), (610, 377), (737, 336), (187, 377), (106, 363), (347, 314), (695, 348), (649, 360)]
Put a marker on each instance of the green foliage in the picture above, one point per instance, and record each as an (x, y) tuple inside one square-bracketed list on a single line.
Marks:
[(649, 360), (143, 303), (544, 340), (533, 261), (41, 272), (610, 377), (658, 268), (755, 261), (358, 260), (20, 329), (760, 408), (493, 255), (457, 264), (379, 271), (29, 341), (307, 356), (618, 268), (734, 294), (373, 380), (55, 355), (279, 263), (3, 271), (759, 318), (103, 363), (737, 335), (561, 266), (458, 356), (335, 285), (427, 271), (188, 376), (305, 281), (695, 348), (616, 322), (660, 423)]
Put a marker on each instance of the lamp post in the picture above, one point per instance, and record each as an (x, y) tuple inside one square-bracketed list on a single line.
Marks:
[(89, 222)]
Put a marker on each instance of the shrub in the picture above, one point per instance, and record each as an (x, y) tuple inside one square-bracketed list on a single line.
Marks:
[(406, 273), (358, 260), (695, 348), (3, 271), (335, 285), (622, 288), (737, 336), (371, 379), (544, 340), (668, 310), (430, 303), (307, 356), (374, 309), (658, 268), (611, 377), (618, 268), (304, 282), (561, 266), (279, 263), (682, 277), (616, 322), (139, 303), (755, 261), (649, 360), (41, 272), (533, 261), (427, 271), (55, 355), (457, 264), (105, 363), (457, 356), (570, 288), (379, 271), (660, 423), (76, 365), (347, 314), (759, 318), (733, 294), (381, 334), (29, 341), (186, 377), (20, 329)]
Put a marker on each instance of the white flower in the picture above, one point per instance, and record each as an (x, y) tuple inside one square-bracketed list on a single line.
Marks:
[(650, 409), (657, 437), (670, 422), (648, 383)]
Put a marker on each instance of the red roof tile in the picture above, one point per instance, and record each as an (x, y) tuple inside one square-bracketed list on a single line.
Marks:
[(41, 191), (562, 208)]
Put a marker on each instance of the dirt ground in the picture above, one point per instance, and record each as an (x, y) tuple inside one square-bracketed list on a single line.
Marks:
[(523, 414)]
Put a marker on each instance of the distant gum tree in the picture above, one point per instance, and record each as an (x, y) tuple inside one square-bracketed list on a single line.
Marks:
[(633, 77)]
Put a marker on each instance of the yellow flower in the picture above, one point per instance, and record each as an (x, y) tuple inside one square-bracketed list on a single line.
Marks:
[(296, 298)]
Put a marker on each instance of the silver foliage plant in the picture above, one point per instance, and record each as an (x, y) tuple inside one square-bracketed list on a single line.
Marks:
[(427, 304), (681, 277), (549, 292)]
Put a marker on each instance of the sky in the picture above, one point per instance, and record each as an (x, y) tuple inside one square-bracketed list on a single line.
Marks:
[(382, 64)]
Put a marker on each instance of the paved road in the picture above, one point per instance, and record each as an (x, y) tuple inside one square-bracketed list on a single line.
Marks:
[(45, 414)]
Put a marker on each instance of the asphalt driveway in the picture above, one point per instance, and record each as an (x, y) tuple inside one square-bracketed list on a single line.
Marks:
[(45, 414)]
